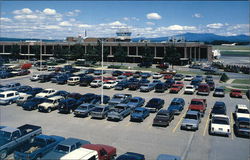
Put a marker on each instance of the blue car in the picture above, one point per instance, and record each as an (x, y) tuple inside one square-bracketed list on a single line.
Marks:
[(170, 82), (155, 104), (177, 105), (97, 99), (168, 157), (136, 102), (131, 156), (139, 114), (144, 81), (34, 91), (32, 104), (195, 82), (5, 74)]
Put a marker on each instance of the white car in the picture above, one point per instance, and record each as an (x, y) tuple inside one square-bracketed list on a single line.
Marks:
[(35, 77), (241, 111), (51, 68), (121, 78), (46, 93), (109, 84), (188, 78), (157, 76), (220, 124), (73, 80), (50, 104), (189, 89), (96, 83)]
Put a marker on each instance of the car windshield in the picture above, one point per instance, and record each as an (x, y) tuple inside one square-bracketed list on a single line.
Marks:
[(83, 107), (175, 86), (243, 111), (218, 110), (219, 90), (153, 101), (98, 109), (49, 101), (189, 87), (175, 103), (138, 111), (118, 96), (1, 95), (220, 121), (45, 91), (236, 91), (62, 149), (244, 125), (196, 103), (134, 100), (162, 114), (190, 116), (5, 135)]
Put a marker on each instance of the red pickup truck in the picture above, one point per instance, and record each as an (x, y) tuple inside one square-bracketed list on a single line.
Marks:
[(236, 93), (105, 152), (198, 105)]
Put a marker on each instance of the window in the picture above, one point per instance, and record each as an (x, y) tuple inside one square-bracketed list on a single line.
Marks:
[(92, 158), (10, 94), (78, 144), (103, 152), (73, 147), (15, 134)]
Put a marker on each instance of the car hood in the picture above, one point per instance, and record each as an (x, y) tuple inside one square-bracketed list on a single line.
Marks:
[(144, 87), (3, 141), (243, 115), (136, 115), (41, 95), (115, 100), (132, 103), (190, 121), (81, 110), (174, 107), (53, 155), (45, 104), (29, 104)]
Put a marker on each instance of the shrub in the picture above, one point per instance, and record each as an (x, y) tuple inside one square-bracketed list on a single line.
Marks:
[(224, 78)]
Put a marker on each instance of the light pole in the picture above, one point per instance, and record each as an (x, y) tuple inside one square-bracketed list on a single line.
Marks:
[(41, 54), (102, 74)]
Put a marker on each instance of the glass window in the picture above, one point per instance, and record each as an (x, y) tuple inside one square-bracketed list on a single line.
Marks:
[(10, 94)]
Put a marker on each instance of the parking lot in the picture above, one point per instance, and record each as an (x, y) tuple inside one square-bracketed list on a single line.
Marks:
[(132, 136)]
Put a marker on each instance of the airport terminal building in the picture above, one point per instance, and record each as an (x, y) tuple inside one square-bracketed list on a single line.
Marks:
[(190, 51)]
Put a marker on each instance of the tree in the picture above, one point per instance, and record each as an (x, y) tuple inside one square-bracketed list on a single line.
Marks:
[(224, 78), (147, 55), (172, 56), (120, 55), (15, 51), (77, 51)]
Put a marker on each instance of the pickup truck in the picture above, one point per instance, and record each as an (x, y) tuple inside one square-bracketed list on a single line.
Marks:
[(12, 138), (119, 112), (41, 145), (81, 154), (198, 105), (105, 152), (120, 98)]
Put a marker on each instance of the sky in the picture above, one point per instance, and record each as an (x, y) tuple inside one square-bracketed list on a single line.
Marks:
[(60, 19)]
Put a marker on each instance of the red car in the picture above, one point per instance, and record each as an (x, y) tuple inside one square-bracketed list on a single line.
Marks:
[(128, 74), (175, 88), (179, 83), (168, 76), (236, 93), (106, 79)]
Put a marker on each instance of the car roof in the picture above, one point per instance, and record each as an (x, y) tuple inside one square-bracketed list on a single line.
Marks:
[(220, 116), (6, 92), (241, 106), (189, 85), (168, 157), (192, 112), (70, 141), (219, 103), (177, 99), (8, 129), (140, 109), (55, 97)]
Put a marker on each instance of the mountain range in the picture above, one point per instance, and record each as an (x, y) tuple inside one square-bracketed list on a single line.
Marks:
[(190, 37)]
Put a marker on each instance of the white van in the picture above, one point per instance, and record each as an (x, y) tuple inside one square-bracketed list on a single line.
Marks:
[(8, 97), (73, 80), (81, 154)]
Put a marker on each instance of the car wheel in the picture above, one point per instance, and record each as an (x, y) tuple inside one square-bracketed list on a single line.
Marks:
[(49, 110), (10, 102), (3, 154)]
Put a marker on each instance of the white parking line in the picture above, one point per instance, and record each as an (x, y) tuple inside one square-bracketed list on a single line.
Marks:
[(206, 125), (177, 125), (232, 126)]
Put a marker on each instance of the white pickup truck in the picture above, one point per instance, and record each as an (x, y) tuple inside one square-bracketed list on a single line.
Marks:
[(81, 154)]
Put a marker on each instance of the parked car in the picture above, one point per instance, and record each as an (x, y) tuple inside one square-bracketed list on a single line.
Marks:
[(209, 78), (128, 74), (75, 80), (34, 91), (139, 114), (35, 77), (198, 105), (168, 157), (242, 127), (199, 77), (41, 145), (67, 105), (81, 154), (121, 85), (9, 97), (203, 89), (62, 93), (51, 68), (176, 105), (163, 118), (117, 73), (50, 104), (22, 98), (220, 124), (10, 86), (143, 81), (32, 103), (155, 104), (219, 108), (145, 75), (175, 88), (161, 87), (168, 76), (89, 71), (97, 99), (236, 93), (219, 92), (136, 102), (44, 78), (120, 98), (109, 84), (105, 152), (170, 82), (84, 110), (46, 93), (24, 89), (86, 80), (119, 112), (241, 111), (195, 83), (134, 86), (147, 87), (163, 65), (96, 83), (188, 78), (100, 111), (62, 79), (66, 146), (178, 77), (191, 120), (179, 83), (189, 89), (131, 156), (121, 78), (6, 74), (23, 72), (99, 72), (137, 74), (12, 138), (157, 75), (211, 85)]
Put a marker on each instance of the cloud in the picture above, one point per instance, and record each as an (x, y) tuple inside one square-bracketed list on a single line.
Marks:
[(125, 18), (73, 13), (2, 19), (83, 25), (215, 25), (180, 28), (65, 23), (116, 23), (49, 11), (150, 23), (27, 17), (52, 27), (23, 11), (155, 16), (197, 15)]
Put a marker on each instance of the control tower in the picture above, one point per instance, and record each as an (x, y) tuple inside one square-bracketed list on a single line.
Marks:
[(123, 35)]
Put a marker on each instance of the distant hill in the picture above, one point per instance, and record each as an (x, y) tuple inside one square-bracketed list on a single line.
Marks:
[(200, 37), (27, 39)]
